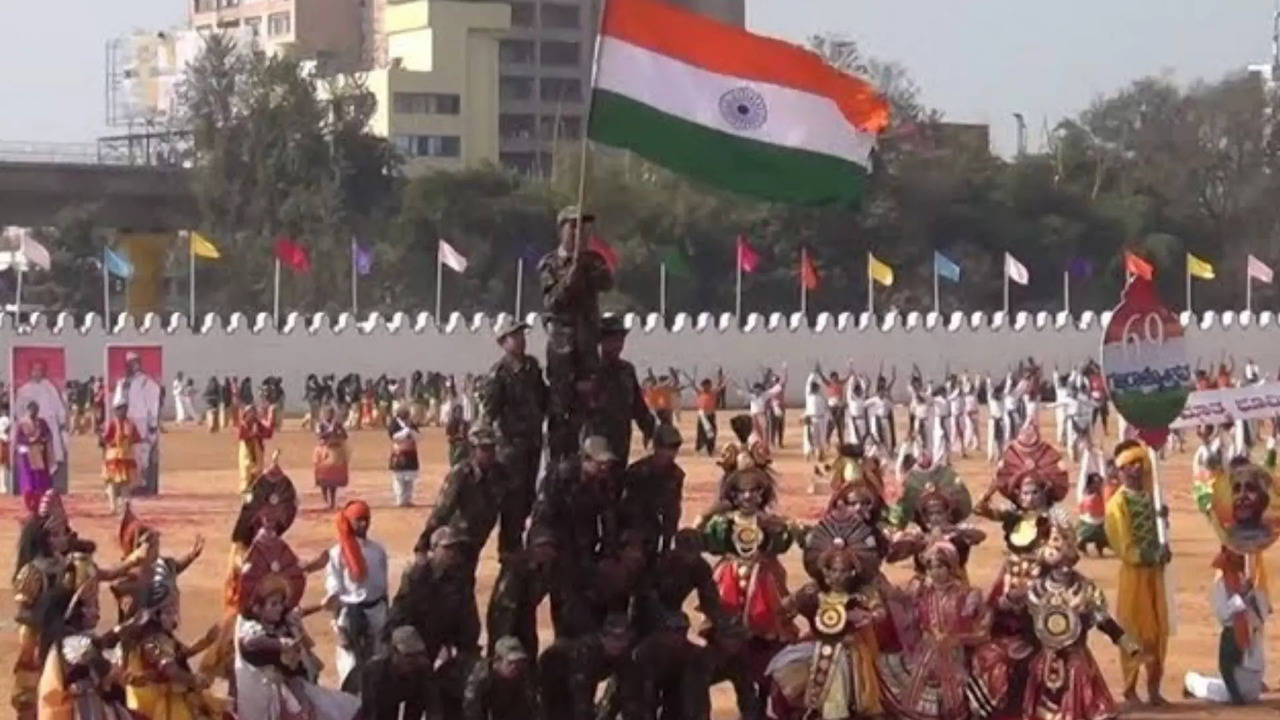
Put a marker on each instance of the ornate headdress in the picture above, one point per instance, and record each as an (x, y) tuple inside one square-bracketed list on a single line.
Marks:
[(751, 473), (270, 566), (133, 532), (943, 550), (1061, 539), (840, 533), (271, 502), (1030, 457), (938, 483)]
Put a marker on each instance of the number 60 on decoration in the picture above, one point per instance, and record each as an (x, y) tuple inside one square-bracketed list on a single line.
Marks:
[(1144, 358)]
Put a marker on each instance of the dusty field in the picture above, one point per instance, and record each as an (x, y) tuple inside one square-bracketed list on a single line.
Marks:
[(198, 483)]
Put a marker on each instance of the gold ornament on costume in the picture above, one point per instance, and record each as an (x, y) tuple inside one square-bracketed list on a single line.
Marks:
[(832, 616)]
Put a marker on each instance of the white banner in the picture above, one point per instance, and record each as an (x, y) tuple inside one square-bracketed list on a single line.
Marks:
[(1213, 407)]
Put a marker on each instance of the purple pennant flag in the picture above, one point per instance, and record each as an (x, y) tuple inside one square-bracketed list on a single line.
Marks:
[(363, 258), (1080, 267)]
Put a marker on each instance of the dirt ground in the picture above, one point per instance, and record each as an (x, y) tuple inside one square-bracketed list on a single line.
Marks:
[(198, 497)]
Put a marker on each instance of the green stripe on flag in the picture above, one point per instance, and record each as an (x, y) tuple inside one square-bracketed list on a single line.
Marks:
[(772, 172)]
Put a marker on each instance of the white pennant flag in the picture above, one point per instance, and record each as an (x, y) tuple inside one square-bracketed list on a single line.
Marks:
[(1016, 271), (29, 251), (1259, 270), (451, 258)]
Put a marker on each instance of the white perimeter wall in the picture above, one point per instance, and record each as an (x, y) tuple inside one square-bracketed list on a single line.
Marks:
[(399, 344)]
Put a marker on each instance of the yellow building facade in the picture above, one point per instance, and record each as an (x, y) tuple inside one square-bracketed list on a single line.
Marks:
[(438, 95)]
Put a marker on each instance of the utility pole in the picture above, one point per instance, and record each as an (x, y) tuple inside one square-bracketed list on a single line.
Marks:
[(1022, 134)]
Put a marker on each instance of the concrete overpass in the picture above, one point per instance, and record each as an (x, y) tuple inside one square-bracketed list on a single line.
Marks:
[(138, 197)]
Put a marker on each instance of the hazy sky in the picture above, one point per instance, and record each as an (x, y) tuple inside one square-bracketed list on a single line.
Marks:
[(976, 60)]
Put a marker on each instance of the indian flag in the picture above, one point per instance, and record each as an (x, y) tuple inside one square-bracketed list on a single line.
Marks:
[(748, 113)]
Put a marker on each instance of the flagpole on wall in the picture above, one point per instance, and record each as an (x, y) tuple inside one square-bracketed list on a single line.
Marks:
[(355, 294), (937, 304), (1066, 291), (662, 292), (1188, 274), (106, 291), (804, 289), (191, 280), (1006, 289), (871, 295), (275, 313), (737, 295), (439, 274), (519, 285), (20, 267), (1248, 291)]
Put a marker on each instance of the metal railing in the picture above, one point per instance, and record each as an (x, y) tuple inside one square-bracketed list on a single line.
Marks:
[(47, 152), (163, 149)]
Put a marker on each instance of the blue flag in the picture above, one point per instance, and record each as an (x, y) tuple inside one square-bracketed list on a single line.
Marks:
[(362, 257), (117, 265), (943, 266)]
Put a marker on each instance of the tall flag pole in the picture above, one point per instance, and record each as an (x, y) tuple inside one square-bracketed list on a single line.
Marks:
[(355, 281), (804, 285), (943, 266), (1256, 269), (1014, 271), (662, 291), (446, 255), (877, 272), (748, 259), (275, 305), (1066, 291), (737, 293), (106, 290), (200, 246), (191, 280)]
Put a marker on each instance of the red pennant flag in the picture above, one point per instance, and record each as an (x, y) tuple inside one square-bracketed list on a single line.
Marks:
[(292, 254), (598, 245), (748, 258), (1135, 265), (808, 271)]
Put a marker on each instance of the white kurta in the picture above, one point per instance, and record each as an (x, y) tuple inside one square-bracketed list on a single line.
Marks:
[(53, 410), (143, 395), (339, 584)]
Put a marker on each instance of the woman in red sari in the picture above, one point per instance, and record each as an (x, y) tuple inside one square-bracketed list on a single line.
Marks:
[(749, 538)]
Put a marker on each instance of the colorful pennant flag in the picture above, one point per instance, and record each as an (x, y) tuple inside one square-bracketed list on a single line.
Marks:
[(879, 271), (1199, 268), (450, 258), (604, 250), (1081, 268), (201, 247), (362, 257), (116, 264), (808, 271), (30, 251), (1135, 265), (945, 267), (292, 254), (1016, 271), (748, 258), (1259, 270)]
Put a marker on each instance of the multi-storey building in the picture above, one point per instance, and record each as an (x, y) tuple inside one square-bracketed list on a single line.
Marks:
[(545, 66), (333, 32)]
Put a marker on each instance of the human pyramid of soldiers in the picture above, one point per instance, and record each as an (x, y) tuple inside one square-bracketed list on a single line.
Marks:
[(600, 540)]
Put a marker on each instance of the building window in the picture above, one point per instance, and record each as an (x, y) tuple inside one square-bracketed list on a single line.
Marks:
[(570, 127), (280, 23), (203, 5), (556, 15), (515, 88), (561, 89), (515, 51), (518, 161), (560, 53), (229, 3), (439, 146), (426, 103), (515, 127), (521, 14)]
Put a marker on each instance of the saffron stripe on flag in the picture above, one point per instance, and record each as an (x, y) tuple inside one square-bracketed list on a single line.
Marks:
[(736, 163)]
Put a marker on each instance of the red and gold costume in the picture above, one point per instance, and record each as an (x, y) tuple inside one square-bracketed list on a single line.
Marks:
[(253, 434), (118, 464)]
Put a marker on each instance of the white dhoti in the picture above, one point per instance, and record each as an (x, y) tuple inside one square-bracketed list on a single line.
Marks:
[(815, 435), (402, 484), (346, 660)]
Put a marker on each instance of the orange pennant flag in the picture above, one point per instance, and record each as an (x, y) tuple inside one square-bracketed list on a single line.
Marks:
[(1136, 265), (808, 271)]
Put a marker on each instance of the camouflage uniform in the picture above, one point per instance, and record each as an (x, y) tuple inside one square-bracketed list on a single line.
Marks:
[(658, 681), (515, 403), (440, 603), (680, 571), (651, 495), (621, 400), (571, 669), (572, 319), (489, 696), (719, 662), (521, 586), (471, 499), (384, 689)]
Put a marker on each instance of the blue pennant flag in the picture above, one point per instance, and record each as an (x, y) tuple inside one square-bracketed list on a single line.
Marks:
[(362, 257), (117, 265), (942, 265)]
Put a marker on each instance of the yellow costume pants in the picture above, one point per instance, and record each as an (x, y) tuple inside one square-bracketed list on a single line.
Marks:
[(1142, 612)]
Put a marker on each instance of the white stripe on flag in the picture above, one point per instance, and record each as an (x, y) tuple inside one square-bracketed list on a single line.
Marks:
[(1259, 270), (1016, 271), (451, 258)]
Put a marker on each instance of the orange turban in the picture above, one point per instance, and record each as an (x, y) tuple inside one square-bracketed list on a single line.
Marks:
[(347, 540)]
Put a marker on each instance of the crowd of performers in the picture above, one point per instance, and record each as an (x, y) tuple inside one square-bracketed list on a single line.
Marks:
[(598, 539)]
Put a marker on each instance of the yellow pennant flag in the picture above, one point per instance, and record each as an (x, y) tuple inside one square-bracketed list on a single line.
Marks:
[(201, 246), (1199, 268), (879, 271)]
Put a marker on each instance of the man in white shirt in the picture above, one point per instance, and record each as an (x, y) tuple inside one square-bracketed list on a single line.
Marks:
[(183, 411), (143, 396), (1242, 610), (816, 416), (355, 588), (53, 410)]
